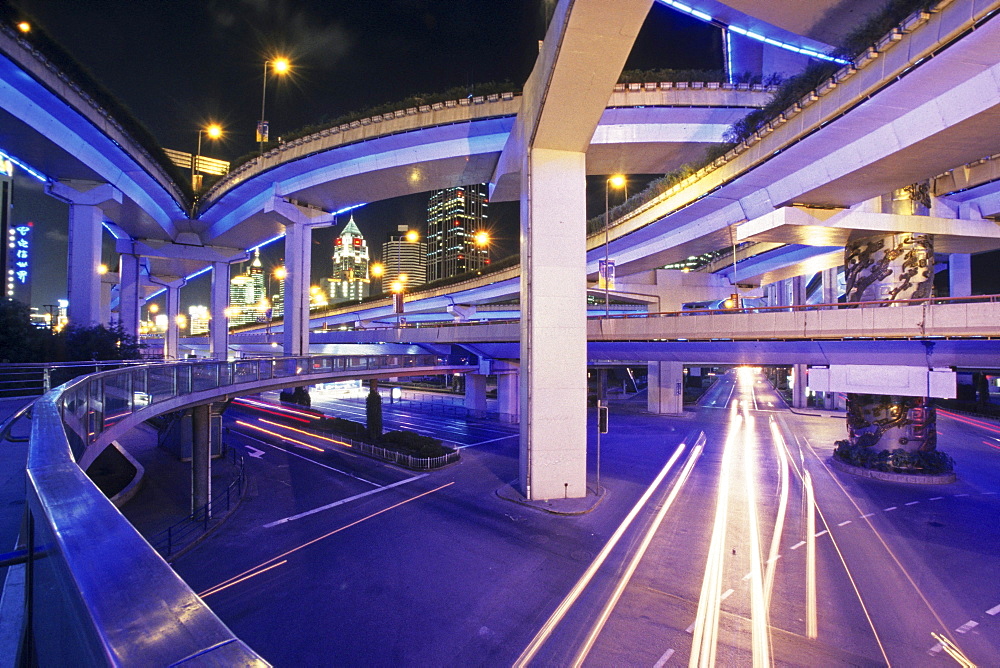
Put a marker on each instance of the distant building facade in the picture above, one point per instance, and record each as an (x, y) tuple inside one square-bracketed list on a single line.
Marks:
[(399, 257), (350, 280), (454, 216), (246, 295)]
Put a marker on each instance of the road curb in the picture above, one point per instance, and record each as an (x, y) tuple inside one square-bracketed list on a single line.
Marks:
[(564, 507), (886, 476)]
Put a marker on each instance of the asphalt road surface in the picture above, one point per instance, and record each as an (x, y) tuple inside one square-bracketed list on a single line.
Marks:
[(724, 538)]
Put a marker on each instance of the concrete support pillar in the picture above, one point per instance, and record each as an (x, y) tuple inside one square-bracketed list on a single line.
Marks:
[(797, 291), (218, 342), (84, 289), (889, 267), (553, 396), (475, 394), (201, 456), (170, 341), (799, 386), (86, 217), (959, 275), (298, 265), (507, 401), (665, 388), (129, 292), (830, 292)]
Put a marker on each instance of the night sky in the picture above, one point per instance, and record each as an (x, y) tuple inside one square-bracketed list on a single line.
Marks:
[(177, 64)]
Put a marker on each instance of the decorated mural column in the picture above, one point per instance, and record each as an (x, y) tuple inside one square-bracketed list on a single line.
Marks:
[(885, 267)]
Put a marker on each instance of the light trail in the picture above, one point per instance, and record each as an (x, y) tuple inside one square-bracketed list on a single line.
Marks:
[(970, 421), (760, 636), (812, 624), (705, 634), (242, 576), (277, 435), (560, 612), (779, 522), (219, 588), (612, 601), (306, 433)]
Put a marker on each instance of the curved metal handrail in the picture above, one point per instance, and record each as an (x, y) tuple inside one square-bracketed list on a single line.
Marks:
[(101, 595)]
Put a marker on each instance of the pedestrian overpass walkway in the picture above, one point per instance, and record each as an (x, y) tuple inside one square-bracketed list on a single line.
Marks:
[(81, 556)]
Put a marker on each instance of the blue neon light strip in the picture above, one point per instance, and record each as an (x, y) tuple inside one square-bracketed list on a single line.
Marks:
[(282, 236), (38, 175), (691, 11)]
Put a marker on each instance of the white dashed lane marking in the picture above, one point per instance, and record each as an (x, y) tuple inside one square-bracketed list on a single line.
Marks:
[(966, 627), (844, 523), (911, 503), (994, 610), (798, 545), (885, 510)]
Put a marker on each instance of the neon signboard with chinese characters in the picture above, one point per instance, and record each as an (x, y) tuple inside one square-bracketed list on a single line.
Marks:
[(19, 256)]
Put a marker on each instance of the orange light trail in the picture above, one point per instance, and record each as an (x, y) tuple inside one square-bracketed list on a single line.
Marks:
[(997, 447), (247, 573), (277, 410), (281, 436), (209, 592), (306, 433), (970, 421)]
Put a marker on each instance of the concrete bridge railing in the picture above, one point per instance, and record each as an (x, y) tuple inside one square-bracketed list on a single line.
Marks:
[(96, 592)]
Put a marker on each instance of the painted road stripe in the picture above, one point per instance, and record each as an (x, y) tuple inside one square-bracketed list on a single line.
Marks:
[(935, 650), (798, 545), (994, 610), (885, 510), (958, 495), (689, 629), (342, 501), (966, 627), (844, 523), (663, 659), (911, 503), (867, 514), (726, 594), (821, 533), (492, 440), (310, 459), (935, 498)]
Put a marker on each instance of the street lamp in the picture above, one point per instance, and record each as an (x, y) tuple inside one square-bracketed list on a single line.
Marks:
[(214, 131), (618, 182), (397, 299), (279, 66), (482, 241)]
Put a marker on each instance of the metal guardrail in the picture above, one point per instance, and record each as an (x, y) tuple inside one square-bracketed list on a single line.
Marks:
[(928, 301), (101, 595), (176, 534)]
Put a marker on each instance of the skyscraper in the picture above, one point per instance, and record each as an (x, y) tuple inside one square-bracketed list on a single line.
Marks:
[(246, 294), (405, 254), (350, 280), (454, 216)]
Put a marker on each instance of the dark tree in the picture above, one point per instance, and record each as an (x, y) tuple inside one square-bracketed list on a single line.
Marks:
[(20, 341), (373, 409), (99, 343)]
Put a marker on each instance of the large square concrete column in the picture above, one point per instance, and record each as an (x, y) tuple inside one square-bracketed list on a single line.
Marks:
[(507, 397), (959, 275), (799, 385), (218, 341), (84, 256), (129, 292), (298, 265), (475, 394), (665, 388), (553, 325), (170, 341)]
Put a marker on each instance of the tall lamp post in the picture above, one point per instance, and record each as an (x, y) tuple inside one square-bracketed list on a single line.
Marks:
[(279, 66), (618, 182), (213, 131)]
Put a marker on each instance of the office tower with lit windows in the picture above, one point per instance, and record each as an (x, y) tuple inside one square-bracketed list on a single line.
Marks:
[(350, 280), (246, 295), (198, 320), (454, 216), (404, 255)]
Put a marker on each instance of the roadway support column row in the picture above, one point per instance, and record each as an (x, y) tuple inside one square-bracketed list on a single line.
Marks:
[(665, 388), (201, 458), (475, 394), (219, 327), (553, 325)]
